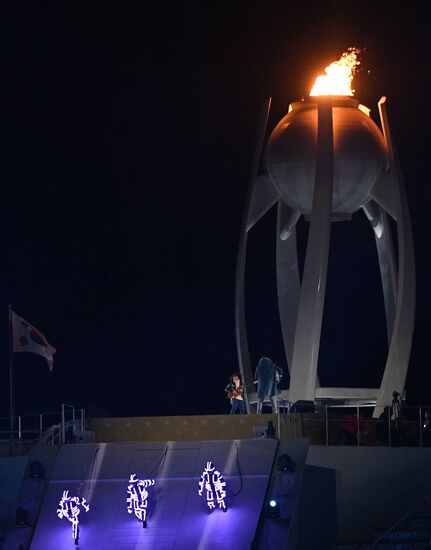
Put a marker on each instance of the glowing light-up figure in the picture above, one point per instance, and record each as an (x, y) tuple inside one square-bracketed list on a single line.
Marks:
[(137, 501), (213, 482), (69, 507)]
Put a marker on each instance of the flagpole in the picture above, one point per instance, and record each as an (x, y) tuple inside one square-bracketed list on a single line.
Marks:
[(11, 376)]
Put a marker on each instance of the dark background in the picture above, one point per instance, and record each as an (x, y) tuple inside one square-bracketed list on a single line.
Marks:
[(127, 135)]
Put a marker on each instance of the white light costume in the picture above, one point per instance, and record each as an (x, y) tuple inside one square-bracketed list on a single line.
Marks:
[(213, 482), (69, 508), (137, 501)]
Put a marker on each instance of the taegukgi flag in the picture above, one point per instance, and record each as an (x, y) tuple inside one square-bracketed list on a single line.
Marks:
[(27, 338)]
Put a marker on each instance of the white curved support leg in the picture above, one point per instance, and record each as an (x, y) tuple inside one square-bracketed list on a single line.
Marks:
[(240, 324), (397, 362), (385, 252), (288, 283), (303, 375)]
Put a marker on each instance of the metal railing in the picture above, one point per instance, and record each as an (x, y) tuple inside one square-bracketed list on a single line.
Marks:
[(353, 425), (49, 428)]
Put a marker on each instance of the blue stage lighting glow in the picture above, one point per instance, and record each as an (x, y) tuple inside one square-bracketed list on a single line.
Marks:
[(69, 507), (137, 501), (213, 482)]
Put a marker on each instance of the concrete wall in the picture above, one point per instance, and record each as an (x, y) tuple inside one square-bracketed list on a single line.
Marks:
[(315, 513), (31, 496), (376, 486), (11, 475), (306, 496), (179, 428)]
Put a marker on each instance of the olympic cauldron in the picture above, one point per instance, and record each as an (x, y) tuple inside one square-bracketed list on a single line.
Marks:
[(325, 160), (359, 155)]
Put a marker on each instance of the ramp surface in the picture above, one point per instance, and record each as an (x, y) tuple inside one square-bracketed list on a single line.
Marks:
[(178, 518)]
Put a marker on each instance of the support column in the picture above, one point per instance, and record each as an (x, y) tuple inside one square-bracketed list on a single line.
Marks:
[(240, 324), (387, 263), (303, 375), (397, 363), (288, 283)]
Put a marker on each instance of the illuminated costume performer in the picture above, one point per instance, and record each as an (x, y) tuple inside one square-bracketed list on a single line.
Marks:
[(213, 482), (137, 501), (69, 507)]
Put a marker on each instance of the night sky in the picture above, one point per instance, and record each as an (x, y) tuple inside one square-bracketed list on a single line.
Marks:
[(128, 130)]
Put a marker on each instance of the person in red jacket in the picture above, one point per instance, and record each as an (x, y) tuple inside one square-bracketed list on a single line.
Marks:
[(349, 428), (235, 393)]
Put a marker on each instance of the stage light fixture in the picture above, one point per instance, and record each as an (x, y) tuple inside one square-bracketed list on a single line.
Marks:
[(21, 517), (273, 509), (36, 469), (285, 463)]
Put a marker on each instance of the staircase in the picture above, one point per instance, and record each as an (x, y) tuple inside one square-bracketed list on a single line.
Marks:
[(37, 443), (412, 532)]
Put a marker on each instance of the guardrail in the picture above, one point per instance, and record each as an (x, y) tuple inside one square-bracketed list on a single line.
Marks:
[(328, 425), (354, 425), (50, 428)]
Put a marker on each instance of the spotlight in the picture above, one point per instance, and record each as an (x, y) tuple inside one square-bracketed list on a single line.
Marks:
[(36, 469), (273, 509), (259, 432), (270, 431), (285, 463), (21, 517)]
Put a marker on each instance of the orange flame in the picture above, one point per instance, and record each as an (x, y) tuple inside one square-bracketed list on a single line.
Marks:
[(339, 76)]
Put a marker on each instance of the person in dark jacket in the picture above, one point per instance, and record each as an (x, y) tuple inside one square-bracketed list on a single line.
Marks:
[(266, 377)]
